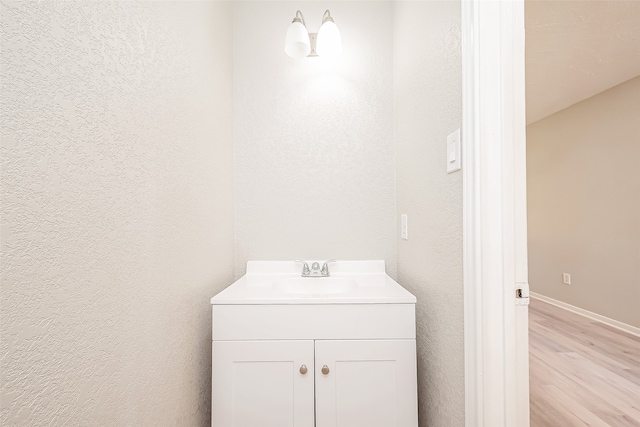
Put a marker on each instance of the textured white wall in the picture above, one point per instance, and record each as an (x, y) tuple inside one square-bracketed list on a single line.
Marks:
[(428, 102), (314, 142), (117, 209), (583, 175), (117, 199)]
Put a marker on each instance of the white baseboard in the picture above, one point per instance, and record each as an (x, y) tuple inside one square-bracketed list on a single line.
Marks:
[(593, 316)]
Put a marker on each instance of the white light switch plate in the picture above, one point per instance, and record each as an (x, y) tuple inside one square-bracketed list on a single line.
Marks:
[(453, 152)]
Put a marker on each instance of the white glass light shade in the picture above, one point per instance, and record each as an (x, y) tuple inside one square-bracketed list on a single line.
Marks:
[(297, 44), (329, 43)]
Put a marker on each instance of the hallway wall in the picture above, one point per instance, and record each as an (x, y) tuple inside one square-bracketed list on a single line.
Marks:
[(583, 170)]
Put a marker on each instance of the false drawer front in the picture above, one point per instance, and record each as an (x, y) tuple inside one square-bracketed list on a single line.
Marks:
[(320, 321)]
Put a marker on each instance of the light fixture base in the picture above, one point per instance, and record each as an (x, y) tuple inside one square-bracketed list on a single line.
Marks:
[(313, 38)]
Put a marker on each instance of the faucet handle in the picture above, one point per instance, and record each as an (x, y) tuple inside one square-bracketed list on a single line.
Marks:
[(305, 267), (325, 267)]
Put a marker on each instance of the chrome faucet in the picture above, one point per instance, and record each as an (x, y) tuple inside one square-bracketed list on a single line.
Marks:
[(315, 270), (306, 271), (325, 268)]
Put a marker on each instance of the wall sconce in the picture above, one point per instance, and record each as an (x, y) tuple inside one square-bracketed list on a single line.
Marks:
[(299, 43)]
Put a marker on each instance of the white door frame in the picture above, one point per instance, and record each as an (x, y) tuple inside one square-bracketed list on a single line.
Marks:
[(494, 204)]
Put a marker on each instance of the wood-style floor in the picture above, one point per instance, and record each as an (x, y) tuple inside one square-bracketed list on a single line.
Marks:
[(582, 372)]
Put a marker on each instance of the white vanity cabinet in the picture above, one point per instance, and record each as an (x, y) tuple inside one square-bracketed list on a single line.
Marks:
[(314, 361), (357, 383), (259, 383), (369, 383)]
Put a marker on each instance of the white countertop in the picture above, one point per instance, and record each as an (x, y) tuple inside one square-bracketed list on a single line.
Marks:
[(280, 282)]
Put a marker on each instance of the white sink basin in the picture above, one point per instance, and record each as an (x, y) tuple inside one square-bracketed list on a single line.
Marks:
[(314, 285), (280, 282)]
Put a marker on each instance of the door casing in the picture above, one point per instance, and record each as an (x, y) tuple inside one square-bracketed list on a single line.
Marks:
[(494, 214)]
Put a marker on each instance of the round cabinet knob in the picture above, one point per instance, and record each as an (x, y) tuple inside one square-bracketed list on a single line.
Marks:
[(303, 369), (325, 370)]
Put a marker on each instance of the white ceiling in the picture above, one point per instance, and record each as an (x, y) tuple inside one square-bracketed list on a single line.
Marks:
[(576, 49)]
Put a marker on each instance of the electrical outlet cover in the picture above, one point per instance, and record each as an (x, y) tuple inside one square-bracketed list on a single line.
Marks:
[(453, 152)]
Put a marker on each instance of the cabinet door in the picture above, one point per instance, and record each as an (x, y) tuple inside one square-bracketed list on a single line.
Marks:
[(366, 384), (260, 384)]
